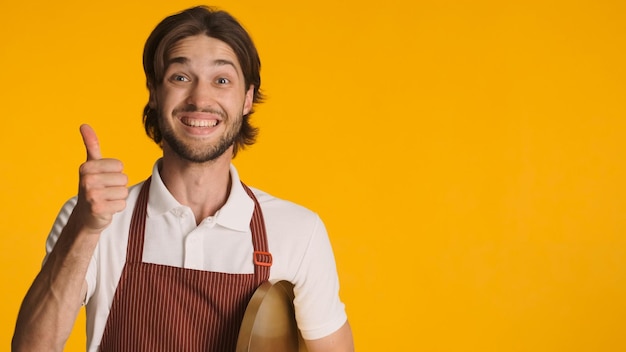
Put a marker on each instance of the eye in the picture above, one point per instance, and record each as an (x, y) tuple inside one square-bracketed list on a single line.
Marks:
[(222, 81), (180, 78)]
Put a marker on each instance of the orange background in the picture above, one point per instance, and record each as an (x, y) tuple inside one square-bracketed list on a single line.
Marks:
[(466, 156)]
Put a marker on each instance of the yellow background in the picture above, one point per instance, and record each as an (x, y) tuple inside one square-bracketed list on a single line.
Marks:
[(466, 156)]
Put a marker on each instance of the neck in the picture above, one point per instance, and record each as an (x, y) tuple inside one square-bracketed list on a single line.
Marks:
[(204, 187)]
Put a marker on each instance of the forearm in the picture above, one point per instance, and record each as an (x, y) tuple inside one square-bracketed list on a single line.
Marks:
[(53, 301)]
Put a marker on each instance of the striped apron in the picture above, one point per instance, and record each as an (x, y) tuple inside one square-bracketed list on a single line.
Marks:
[(165, 308)]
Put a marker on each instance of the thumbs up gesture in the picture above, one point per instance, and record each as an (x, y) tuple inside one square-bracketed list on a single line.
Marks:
[(102, 187)]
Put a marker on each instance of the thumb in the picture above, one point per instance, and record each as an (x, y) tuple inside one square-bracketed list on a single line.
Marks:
[(91, 142)]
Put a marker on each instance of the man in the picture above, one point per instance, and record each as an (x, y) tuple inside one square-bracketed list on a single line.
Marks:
[(171, 263)]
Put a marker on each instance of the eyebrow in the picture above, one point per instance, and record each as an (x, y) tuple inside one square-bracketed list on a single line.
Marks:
[(177, 60), (184, 61)]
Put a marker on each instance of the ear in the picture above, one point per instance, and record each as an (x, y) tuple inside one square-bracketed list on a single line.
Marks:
[(152, 99), (247, 104)]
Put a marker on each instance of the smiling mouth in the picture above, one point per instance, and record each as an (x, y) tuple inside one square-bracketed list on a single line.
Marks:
[(199, 123)]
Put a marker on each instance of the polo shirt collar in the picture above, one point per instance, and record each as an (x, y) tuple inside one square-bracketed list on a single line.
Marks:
[(235, 214)]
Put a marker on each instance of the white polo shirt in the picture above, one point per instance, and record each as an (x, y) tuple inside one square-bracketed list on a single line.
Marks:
[(296, 237)]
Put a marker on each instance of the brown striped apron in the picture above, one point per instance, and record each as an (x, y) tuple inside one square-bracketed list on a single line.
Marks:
[(164, 308)]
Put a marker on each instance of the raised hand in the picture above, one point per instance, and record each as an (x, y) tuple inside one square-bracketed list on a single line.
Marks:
[(102, 188), (53, 301)]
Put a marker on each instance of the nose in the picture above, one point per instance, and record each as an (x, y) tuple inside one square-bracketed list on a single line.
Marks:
[(201, 95)]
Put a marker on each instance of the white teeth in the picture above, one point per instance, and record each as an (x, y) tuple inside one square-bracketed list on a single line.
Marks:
[(200, 123)]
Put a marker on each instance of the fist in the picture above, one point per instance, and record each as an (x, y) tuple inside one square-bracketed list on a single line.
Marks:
[(102, 187)]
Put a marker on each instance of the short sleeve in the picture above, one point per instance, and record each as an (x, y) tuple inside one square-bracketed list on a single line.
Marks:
[(319, 309)]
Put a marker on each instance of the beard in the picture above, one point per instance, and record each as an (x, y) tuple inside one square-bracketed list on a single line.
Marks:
[(202, 153)]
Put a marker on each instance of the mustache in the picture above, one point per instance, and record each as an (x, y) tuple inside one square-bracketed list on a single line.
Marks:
[(194, 108)]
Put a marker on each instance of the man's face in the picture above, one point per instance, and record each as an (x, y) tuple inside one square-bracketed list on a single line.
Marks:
[(202, 99)]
